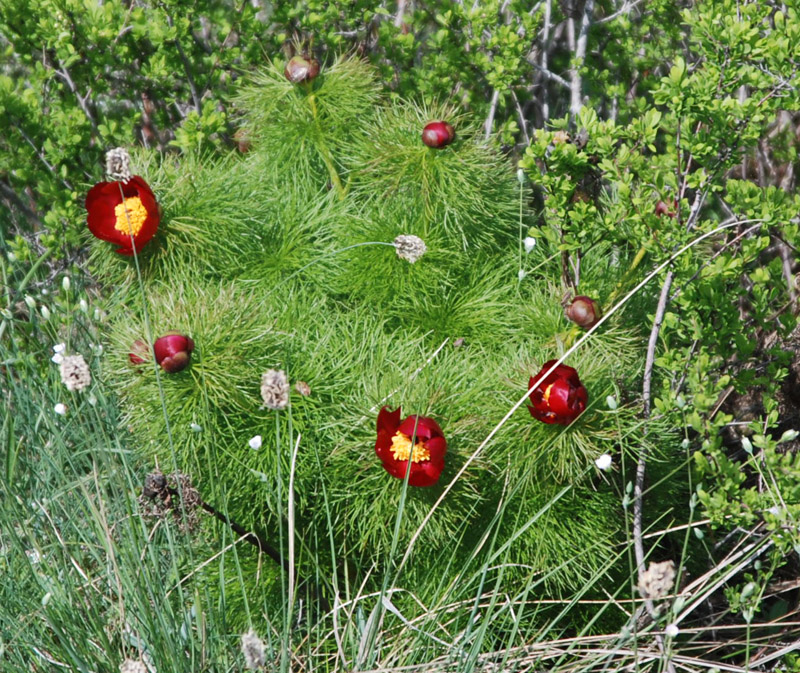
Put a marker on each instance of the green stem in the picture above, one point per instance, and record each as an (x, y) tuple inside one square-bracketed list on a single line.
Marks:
[(634, 264), (324, 151)]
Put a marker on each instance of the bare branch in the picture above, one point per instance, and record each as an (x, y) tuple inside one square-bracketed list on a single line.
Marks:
[(579, 57), (64, 73), (487, 126)]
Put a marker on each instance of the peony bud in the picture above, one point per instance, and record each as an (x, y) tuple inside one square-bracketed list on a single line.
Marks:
[(300, 70), (583, 311), (173, 351), (663, 208), (438, 134), (139, 352)]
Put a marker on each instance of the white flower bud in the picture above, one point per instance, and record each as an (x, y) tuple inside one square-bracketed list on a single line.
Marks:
[(83, 306), (60, 409), (30, 302), (45, 312), (529, 243), (255, 442), (65, 283)]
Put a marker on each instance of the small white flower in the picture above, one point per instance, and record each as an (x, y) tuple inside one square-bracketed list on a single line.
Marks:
[(11, 257), (529, 243), (84, 306), (59, 348), (195, 427), (45, 313), (33, 555), (60, 409), (611, 402), (57, 358), (603, 462), (255, 442), (774, 510), (65, 283), (521, 274), (672, 630)]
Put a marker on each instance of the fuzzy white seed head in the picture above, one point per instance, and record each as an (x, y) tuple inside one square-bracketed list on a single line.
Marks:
[(603, 462), (75, 374), (118, 164), (255, 442), (254, 651), (275, 389), (409, 247), (657, 580), (132, 666), (529, 243), (60, 409)]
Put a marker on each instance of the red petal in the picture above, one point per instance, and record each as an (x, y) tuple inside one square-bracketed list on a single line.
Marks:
[(437, 446), (427, 473), (559, 400), (426, 427), (388, 421), (100, 203)]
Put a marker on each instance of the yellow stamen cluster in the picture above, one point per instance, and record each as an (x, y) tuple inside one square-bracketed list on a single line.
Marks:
[(547, 390), (401, 449), (130, 223)]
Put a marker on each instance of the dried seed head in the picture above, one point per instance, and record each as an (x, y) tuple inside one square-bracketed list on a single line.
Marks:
[(410, 247), (75, 372), (118, 164), (254, 651), (657, 580), (275, 389), (155, 484), (302, 388), (132, 666)]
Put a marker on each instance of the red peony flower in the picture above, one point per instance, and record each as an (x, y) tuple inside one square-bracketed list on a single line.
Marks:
[(560, 397), (394, 447), (113, 218), (173, 351)]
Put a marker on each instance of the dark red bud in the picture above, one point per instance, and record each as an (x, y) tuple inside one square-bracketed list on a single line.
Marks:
[(173, 351), (663, 209), (299, 70), (438, 134), (139, 352), (583, 311)]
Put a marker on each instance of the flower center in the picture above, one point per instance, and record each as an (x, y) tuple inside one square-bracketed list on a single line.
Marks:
[(131, 215), (546, 396), (401, 449)]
